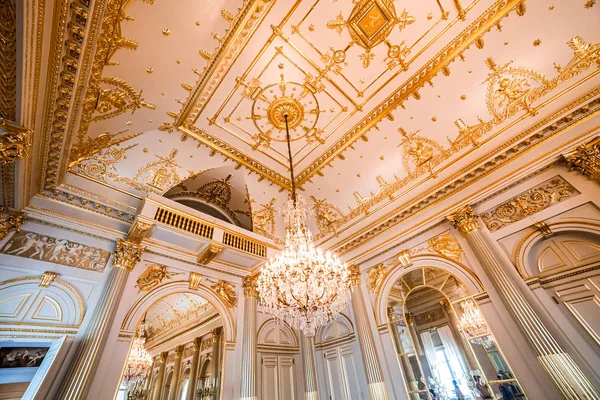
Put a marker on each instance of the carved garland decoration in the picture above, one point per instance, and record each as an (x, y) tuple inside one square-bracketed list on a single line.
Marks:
[(529, 202)]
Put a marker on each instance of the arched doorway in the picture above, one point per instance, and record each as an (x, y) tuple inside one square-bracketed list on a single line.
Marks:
[(442, 341), (181, 324)]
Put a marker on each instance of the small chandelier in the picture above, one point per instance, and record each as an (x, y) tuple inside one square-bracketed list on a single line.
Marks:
[(301, 285), (473, 325), (139, 362)]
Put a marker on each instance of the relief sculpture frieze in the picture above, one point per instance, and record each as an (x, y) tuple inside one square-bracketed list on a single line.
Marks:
[(59, 251)]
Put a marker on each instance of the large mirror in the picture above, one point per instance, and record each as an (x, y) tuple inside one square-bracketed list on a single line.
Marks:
[(443, 343)]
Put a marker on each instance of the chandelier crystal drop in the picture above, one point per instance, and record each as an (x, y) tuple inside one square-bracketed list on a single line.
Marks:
[(139, 361), (473, 325), (302, 285)]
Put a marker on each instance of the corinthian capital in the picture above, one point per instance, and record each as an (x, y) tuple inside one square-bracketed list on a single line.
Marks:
[(585, 159), (354, 277), (10, 221), (464, 219), (250, 285), (127, 254), (14, 141)]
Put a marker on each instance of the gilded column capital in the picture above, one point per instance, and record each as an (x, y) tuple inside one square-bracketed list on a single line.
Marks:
[(10, 221), (216, 334), (585, 159), (197, 342), (14, 141), (464, 220), (127, 254), (250, 285), (163, 356), (354, 277), (179, 351)]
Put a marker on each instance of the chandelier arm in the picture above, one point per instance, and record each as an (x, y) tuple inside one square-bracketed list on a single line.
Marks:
[(287, 130)]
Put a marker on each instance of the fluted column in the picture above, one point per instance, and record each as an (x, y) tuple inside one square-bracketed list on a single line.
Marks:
[(308, 360), (176, 371), (160, 379), (377, 389), (248, 389), (557, 363), (217, 340), (191, 391), (83, 367)]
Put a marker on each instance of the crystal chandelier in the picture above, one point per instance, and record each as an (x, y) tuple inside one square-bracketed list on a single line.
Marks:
[(473, 325), (139, 361), (301, 285)]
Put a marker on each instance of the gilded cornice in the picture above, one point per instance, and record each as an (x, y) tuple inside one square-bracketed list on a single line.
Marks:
[(480, 168)]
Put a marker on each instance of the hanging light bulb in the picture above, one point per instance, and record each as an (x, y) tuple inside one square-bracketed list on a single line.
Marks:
[(302, 285)]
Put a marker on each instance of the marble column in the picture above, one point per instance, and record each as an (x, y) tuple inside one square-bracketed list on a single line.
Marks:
[(308, 360), (191, 391), (160, 379), (217, 342), (377, 388), (76, 383), (557, 363), (248, 378), (176, 371)]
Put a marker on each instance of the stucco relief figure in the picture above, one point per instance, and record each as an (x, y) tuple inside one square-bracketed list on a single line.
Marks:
[(226, 292), (153, 276), (59, 251)]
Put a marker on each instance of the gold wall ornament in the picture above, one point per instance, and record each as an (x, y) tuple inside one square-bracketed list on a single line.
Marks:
[(404, 258), (8, 59), (543, 227), (513, 89), (250, 285), (157, 176), (226, 291), (445, 245), (375, 277), (117, 99), (423, 153), (153, 276), (138, 231), (370, 23), (92, 148), (59, 251), (14, 141), (194, 280), (47, 278), (585, 159), (464, 219), (529, 202), (326, 214), (127, 254), (10, 221), (263, 218), (209, 253), (354, 276)]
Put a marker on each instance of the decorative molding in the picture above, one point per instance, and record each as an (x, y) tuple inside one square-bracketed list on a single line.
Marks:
[(8, 59), (60, 251), (209, 253), (404, 258), (14, 141), (529, 202), (543, 227), (47, 278), (194, 280)]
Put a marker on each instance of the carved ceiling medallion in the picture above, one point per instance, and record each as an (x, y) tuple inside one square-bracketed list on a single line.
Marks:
[(371, 22), (275, 101)]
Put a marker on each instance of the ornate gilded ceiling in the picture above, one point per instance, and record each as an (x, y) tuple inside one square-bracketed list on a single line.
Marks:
[(386, 100)]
